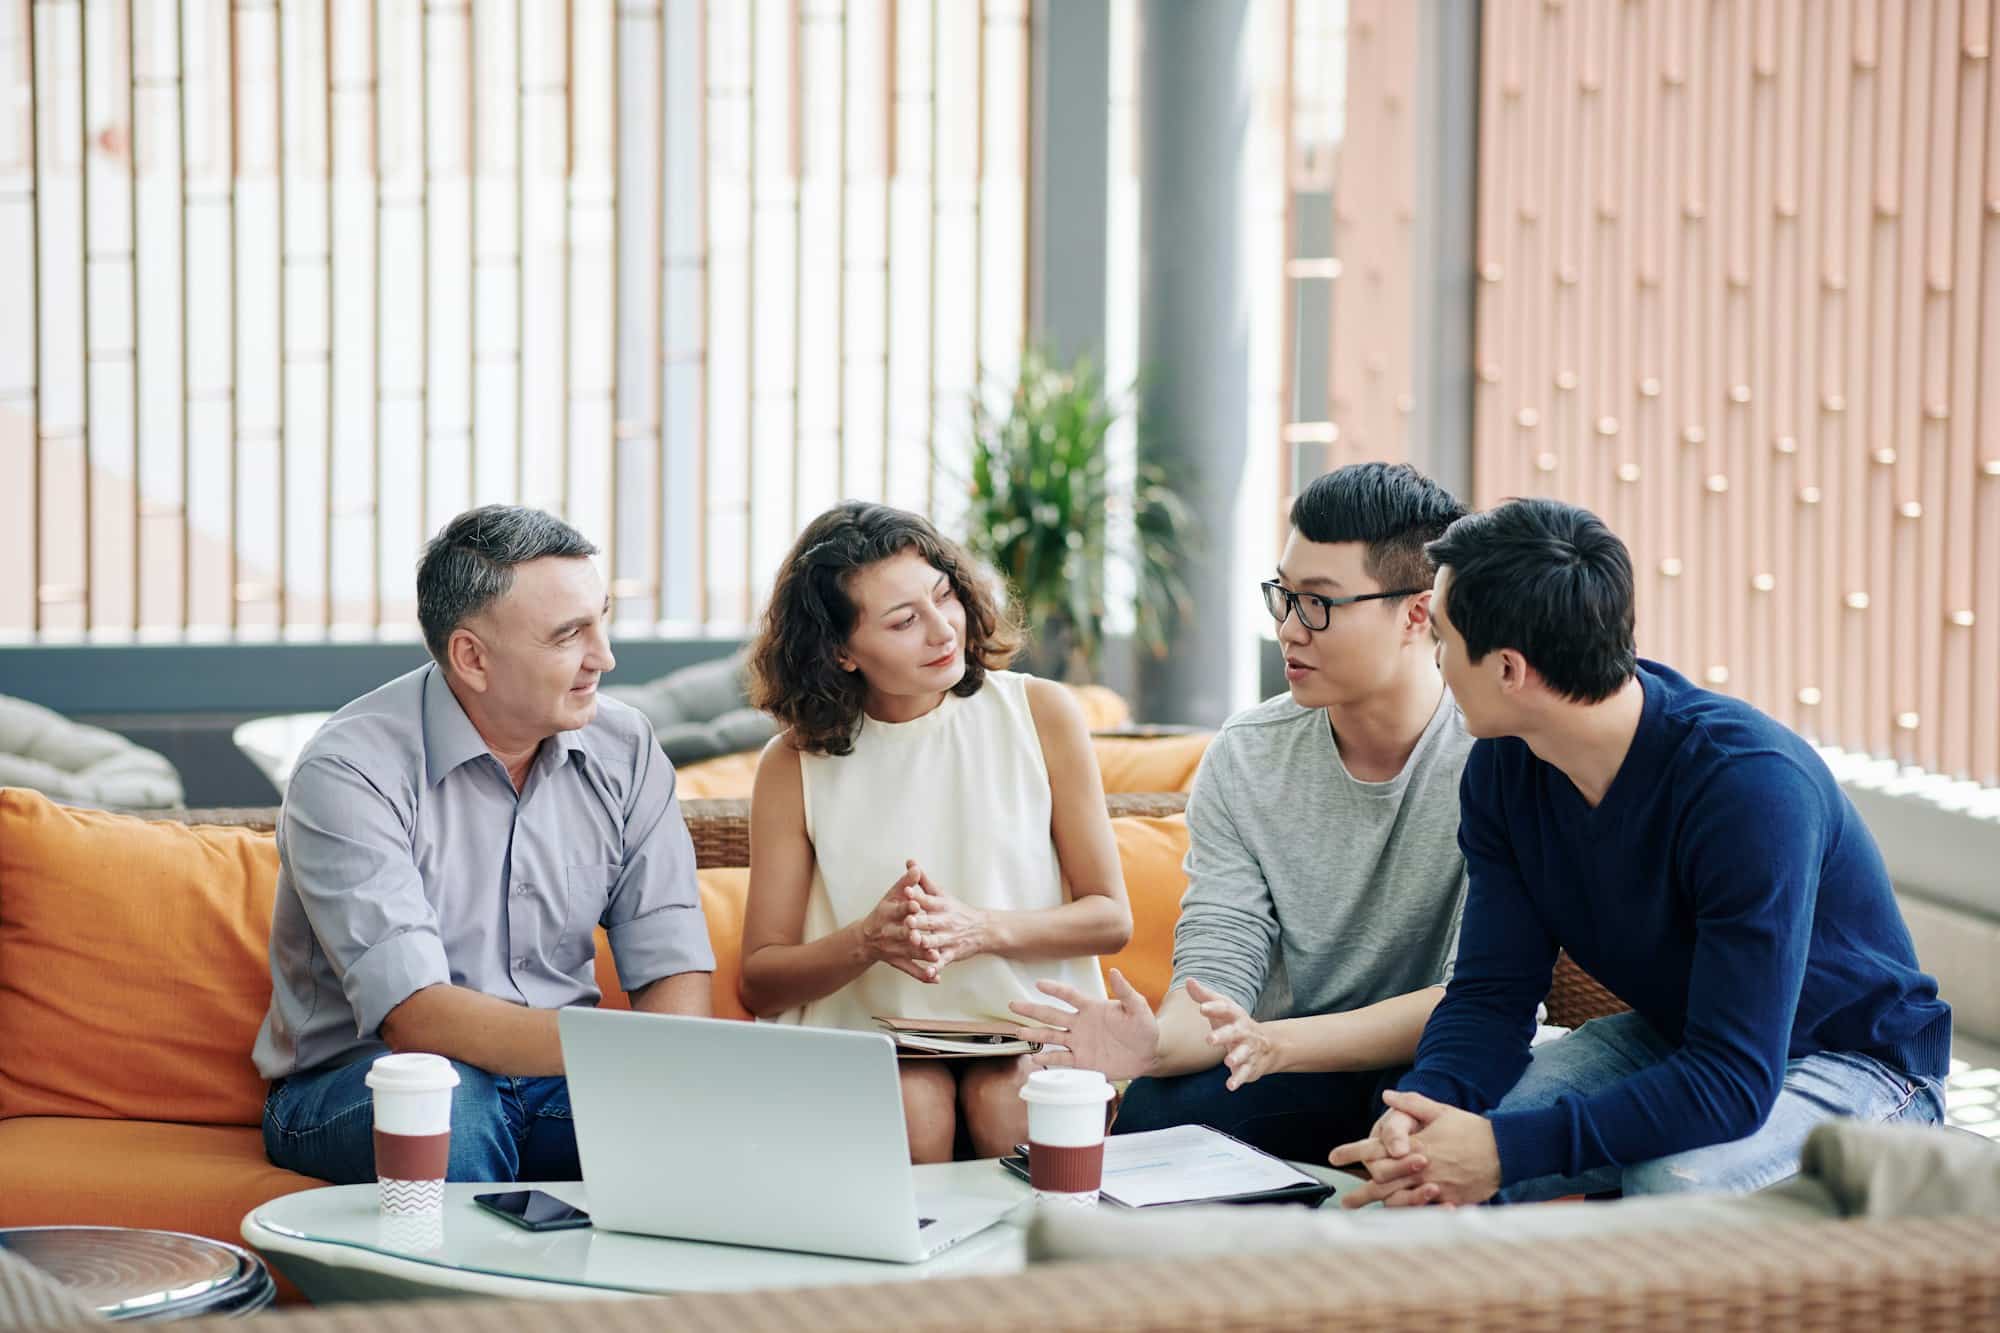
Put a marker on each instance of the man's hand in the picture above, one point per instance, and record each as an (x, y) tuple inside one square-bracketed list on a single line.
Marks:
[(1249, 1051), (885, 931), (1118, 1037), (1387, 1152), (1452, 1157)]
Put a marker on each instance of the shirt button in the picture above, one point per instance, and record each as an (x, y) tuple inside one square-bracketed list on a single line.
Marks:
[(520, 963), (520, 890)]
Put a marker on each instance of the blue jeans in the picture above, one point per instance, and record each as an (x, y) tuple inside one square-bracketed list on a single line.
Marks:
[(322, 1124), (1302, 1117), (1817, 1087)]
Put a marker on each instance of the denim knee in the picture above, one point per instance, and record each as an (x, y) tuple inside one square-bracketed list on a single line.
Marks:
[(483, 1141), (1679, 1174)]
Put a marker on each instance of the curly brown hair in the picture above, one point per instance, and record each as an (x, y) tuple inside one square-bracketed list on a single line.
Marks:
[(795, 674)]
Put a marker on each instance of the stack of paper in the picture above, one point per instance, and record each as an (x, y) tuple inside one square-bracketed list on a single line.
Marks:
[(1192, 1164)]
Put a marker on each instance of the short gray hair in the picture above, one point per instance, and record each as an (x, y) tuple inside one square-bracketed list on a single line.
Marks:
[(470, 563)]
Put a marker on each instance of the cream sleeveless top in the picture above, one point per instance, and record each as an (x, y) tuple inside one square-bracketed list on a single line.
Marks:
[(964, 792)]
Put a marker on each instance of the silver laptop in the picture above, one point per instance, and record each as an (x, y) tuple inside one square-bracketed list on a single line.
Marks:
[(788, 1138)]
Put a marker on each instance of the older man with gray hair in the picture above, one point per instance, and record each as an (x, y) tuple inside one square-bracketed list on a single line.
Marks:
[(449, 845)]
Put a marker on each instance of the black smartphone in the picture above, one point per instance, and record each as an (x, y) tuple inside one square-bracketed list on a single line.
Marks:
[(533, 1210)]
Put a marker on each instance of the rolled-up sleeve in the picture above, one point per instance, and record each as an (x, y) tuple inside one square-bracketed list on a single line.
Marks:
[(654, 917), (347, 851)]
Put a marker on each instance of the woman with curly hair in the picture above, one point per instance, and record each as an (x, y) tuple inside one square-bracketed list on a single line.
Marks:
[(927, 831)]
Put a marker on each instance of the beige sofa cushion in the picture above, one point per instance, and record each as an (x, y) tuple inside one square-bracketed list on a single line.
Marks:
[(1904, 1170)]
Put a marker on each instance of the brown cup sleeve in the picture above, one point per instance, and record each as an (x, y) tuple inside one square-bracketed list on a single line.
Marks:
[(412, 1156), (1066, 1170)]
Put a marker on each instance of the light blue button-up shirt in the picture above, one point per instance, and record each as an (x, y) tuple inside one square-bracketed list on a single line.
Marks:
[(406, 860)]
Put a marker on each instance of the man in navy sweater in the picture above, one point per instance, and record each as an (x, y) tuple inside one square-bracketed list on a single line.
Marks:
[(1690, 853)]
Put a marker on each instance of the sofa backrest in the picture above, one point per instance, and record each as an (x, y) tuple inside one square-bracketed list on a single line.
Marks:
[(134, 953), (133, 968)]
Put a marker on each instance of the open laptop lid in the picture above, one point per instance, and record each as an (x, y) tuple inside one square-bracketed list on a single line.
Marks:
[(748, 1133)]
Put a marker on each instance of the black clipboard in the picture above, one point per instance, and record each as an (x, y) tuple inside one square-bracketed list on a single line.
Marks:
[(1311, 1193)]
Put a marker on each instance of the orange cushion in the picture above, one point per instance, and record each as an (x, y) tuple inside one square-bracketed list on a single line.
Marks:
[(1103, 707), (134, 968), (1150, 851), (199, 1179), (1150, 763), (722, 896), (723, 777), (723, 893)]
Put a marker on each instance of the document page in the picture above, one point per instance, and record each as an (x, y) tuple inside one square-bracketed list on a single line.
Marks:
[(1186, 1163)]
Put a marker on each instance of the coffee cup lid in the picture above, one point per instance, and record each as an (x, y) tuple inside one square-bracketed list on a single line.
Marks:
[(1066, 1087), (412, 1071)]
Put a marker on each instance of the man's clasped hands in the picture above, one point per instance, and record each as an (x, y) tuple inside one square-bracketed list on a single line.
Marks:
[(1422, 1151)]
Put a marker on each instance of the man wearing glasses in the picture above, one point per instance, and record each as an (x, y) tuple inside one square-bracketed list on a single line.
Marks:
[(1324, 876)]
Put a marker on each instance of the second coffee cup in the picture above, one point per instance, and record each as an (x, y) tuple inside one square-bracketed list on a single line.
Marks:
[(1066, 1134)]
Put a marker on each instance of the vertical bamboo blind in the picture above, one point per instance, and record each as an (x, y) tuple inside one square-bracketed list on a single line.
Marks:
[(290, 282), (1739, 293)]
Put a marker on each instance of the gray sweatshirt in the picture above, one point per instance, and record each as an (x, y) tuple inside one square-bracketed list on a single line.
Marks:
[(1310, 892)]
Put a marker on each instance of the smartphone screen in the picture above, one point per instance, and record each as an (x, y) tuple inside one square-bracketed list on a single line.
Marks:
[(533, 1209)]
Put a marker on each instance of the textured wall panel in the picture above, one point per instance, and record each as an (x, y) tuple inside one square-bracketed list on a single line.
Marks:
[(1739, 293)]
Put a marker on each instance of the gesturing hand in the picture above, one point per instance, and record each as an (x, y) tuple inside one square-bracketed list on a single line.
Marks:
[(1117, 1037), (943, 929), (885, 931), (1248, 1049)]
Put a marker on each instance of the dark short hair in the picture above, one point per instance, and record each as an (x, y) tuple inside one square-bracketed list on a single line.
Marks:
[(1550, 581), (470, 563), (795, 672), (1393, 508)]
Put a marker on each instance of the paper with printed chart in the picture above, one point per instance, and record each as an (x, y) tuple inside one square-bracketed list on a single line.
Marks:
[(1187, 1164)]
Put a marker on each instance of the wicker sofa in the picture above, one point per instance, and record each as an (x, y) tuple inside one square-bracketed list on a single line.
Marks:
[(1849, 1274)]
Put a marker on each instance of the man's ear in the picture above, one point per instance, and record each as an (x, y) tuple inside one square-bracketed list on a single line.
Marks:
[(467, 658), (1515, 673), (1417, 616)]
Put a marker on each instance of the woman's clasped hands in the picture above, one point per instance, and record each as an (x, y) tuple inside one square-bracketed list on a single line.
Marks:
[(918, 929)]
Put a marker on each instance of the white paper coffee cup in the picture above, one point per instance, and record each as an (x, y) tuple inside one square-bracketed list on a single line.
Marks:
[(413, 1094), (1066, 1134)]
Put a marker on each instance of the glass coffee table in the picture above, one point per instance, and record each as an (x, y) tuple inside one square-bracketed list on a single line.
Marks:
[(336, 1246)]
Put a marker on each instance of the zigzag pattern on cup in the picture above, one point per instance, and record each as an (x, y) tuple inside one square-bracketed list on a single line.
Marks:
[(411, 1198)]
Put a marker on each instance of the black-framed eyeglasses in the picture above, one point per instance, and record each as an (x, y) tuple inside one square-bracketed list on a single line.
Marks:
[(1313, 610)]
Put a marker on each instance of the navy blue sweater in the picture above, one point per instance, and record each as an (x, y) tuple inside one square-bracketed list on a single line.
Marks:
[(1725, 888)]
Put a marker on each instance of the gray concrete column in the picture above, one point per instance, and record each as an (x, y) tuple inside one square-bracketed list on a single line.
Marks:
[(1194, 132), (1071, 175), (1441, 279)]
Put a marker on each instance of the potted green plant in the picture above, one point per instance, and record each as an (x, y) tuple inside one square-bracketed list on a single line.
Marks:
[(1044, 511)]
